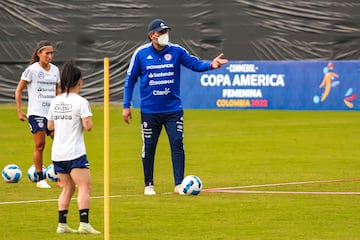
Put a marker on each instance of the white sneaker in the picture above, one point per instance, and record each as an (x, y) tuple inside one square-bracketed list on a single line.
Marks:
[(149, 190), (178, 190), (86, 228), (64, 228), (42, 184)]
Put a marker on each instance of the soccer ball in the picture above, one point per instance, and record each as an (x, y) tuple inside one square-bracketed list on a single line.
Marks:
[(50, 173), (11, 173), (32, 174), (191, 185)]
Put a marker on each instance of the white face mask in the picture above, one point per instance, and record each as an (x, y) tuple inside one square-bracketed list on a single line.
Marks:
[(163, 40)]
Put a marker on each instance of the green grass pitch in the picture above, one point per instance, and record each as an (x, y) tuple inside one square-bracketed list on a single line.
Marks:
[(225, 148)]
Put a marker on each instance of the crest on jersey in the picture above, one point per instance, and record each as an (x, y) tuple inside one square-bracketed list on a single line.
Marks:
[(168, 57), (41, 75)]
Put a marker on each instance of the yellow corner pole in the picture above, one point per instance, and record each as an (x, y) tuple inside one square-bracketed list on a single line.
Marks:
[(106, 152)]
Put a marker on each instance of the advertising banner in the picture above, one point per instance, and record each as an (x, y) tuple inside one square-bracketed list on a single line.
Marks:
[(288, 85)]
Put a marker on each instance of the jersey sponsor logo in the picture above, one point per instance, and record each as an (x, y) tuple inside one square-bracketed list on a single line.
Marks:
[(47, 83), (62, 108), (164, 92), (161, 74), (161, 82), (161, 66), (41, 89), (62, 117), (45, 96)]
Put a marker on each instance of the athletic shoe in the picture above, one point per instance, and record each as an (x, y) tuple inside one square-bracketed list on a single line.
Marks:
[(86, 228), (42, 184), (64, 228), (149, 190), (178, 190)]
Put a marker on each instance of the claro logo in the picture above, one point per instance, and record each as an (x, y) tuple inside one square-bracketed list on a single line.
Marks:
[(166, 91)]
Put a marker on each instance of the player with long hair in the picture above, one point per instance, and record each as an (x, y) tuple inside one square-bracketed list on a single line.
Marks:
[(41, 79), (69, 116)]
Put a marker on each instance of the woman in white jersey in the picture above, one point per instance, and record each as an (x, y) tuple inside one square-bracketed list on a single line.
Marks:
[(41, 79), (69, 116)]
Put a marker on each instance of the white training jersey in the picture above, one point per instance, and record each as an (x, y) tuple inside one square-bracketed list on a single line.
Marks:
[(41, 87), (67, 111)]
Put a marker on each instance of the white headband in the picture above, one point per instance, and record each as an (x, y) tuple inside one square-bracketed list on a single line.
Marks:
[(43, 47)]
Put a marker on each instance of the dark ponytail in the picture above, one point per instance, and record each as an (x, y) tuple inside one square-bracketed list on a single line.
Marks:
[(39, 46), (69, 76)]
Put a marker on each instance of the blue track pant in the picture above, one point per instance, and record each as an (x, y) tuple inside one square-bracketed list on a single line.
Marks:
[(151, 128)]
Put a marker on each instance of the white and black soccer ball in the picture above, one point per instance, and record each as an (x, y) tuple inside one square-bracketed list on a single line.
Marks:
[(191, 185), (50, 173), (32, 174), (11, 173)]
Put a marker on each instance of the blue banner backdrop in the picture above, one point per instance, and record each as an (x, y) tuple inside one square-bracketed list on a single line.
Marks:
[(288, 85)]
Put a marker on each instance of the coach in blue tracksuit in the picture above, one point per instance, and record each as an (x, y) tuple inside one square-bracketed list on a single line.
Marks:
[(157, 66)]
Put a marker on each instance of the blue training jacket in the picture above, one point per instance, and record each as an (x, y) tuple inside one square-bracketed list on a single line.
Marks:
[(159, 74)]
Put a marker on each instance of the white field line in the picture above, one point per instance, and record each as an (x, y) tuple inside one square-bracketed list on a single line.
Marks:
[(279, 192), (73, 199), (236, 189), (289, 183), (224, 190), (28, 201)]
